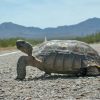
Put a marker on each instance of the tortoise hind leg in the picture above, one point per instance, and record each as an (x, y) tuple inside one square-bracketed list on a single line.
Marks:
[(93, 71), (82, 72)]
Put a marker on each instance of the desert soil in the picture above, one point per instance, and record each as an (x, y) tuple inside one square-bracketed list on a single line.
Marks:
[(34, 87)]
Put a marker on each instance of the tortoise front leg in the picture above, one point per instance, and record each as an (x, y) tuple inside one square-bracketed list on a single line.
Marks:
[(21, 66)]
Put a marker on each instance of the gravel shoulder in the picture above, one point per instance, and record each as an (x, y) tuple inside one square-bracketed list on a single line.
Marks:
[(52, 88)]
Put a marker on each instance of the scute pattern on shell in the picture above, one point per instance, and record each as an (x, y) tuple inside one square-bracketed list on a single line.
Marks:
[(64, 46)]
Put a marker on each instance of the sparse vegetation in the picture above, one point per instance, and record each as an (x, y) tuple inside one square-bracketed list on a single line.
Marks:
[(90, 38), (11, 42)]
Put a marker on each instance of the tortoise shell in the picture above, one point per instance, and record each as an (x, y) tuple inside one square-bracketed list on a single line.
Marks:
[(64, 46)]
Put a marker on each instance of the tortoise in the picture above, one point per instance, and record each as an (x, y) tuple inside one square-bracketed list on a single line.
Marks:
[(58, 56)]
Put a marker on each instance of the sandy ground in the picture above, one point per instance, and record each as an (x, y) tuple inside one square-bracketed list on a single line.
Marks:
[(7, 48), (52, 88)]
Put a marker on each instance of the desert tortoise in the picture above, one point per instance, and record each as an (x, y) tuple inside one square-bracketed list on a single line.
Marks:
[(58, 56)]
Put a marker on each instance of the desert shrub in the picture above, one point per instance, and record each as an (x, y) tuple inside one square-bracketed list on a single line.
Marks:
[(12, 42), (90, 38)]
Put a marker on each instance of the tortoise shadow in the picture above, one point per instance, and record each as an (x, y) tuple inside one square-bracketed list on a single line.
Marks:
[(54, 77)]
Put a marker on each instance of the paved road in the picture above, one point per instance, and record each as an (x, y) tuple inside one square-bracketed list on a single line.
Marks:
[(8, 53), (53, 88)]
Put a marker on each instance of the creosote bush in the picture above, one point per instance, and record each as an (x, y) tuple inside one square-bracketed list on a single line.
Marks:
[(94, 38), (12, 41)]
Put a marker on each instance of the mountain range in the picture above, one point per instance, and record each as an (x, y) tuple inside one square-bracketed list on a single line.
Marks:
[(89, 26)]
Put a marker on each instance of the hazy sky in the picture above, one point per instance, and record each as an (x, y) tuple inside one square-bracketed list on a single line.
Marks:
[(48, 13)]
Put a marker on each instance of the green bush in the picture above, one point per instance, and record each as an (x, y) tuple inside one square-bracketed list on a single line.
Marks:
[(90, 38), (12, 42)]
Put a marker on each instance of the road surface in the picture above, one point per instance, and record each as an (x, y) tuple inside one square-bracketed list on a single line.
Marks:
[(53, 88)]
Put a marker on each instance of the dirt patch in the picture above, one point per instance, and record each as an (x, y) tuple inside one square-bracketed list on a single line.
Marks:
[(7, 48)]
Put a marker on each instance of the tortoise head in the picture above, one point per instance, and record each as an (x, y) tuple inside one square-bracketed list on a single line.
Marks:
[(24, 47)]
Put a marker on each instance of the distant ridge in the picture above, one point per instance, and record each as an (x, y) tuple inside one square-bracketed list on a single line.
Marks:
[(89, 26)]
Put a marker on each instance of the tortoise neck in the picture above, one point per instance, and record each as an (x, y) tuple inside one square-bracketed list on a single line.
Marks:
[(38, 63)]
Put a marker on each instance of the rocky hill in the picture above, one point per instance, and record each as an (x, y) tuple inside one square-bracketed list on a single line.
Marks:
[(89, 26)]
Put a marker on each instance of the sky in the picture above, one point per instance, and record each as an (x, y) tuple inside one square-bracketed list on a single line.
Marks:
[(48, 13)]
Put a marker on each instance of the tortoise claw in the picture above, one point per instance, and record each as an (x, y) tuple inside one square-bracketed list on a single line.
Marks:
[(19, 79)]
